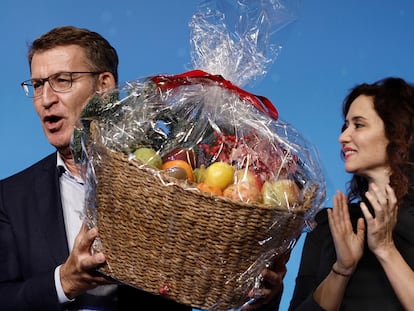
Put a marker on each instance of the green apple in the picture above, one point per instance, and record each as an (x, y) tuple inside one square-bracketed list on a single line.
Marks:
[(149, 156), (282, 192)]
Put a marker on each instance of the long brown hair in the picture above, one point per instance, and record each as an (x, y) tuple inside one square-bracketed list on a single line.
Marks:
[(394, 103)]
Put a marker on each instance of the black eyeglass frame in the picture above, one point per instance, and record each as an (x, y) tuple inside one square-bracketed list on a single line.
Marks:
[(29, 83)]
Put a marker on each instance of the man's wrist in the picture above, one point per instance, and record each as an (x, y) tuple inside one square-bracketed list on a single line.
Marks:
[(59, 289)]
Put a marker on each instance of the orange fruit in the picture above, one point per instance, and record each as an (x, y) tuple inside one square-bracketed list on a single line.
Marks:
[(182, 164), (210, 189)]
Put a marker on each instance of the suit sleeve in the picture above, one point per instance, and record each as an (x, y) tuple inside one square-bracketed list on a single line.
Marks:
[(18, 292)]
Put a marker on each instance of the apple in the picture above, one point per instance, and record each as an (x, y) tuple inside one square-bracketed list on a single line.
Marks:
[(282, 192), (243, 191), (148, 156), (183, 154), (248, 176), (246, 187), (219, 174)]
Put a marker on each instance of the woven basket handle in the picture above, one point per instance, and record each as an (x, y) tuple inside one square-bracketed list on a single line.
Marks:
[(198, 76)]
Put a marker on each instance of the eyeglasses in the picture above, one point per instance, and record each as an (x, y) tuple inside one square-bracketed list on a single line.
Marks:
[(59, 82)]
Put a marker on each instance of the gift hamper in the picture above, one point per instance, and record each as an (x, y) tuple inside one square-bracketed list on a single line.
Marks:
[(195, 185)]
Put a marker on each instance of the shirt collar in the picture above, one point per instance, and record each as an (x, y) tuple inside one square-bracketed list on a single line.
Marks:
[(62, 169), (61, 166)]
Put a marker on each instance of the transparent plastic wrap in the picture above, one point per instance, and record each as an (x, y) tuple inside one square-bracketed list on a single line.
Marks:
[(195, 184)]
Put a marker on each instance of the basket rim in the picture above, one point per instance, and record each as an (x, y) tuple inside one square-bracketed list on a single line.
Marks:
[(170, 181)]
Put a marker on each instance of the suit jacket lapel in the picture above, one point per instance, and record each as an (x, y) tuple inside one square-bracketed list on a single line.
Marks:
[(50, 210)]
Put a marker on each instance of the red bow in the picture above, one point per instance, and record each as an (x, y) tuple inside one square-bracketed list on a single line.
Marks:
[(199, 76)]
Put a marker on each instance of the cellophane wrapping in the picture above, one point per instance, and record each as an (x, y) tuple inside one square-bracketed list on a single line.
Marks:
[(195, 184)]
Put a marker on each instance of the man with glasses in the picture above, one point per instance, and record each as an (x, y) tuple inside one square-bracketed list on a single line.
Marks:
[(45, 258), (59, 82)]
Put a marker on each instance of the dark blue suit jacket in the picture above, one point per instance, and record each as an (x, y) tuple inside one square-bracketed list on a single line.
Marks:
[(33, 243)]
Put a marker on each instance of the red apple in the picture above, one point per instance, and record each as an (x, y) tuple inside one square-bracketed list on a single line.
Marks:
[(246, 187), (247, 175), (183, 154), (243, 191)]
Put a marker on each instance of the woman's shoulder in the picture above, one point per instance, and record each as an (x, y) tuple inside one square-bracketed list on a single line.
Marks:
[(322, 216)]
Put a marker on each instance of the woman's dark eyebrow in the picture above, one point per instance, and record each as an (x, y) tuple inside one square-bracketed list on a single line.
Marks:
[(358, 118)]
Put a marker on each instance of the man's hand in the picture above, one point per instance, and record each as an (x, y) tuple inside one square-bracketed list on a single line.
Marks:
[(78, 274), (272, 284)]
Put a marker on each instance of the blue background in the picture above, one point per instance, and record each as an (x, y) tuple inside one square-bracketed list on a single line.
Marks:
[(332, 46)]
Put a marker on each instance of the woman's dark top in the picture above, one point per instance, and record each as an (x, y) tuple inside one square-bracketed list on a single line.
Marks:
[(368, 288)]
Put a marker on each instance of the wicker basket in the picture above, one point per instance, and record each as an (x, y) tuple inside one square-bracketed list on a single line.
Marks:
[(192, 246)]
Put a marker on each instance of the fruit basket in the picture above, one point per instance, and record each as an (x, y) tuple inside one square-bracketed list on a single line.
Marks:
[(192, 247), (195, 184), (162, 232)]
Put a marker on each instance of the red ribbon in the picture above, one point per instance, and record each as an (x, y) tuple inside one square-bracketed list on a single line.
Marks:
[(199, 76)]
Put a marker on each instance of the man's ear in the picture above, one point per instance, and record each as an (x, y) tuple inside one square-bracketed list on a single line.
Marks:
[(106, 82)]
